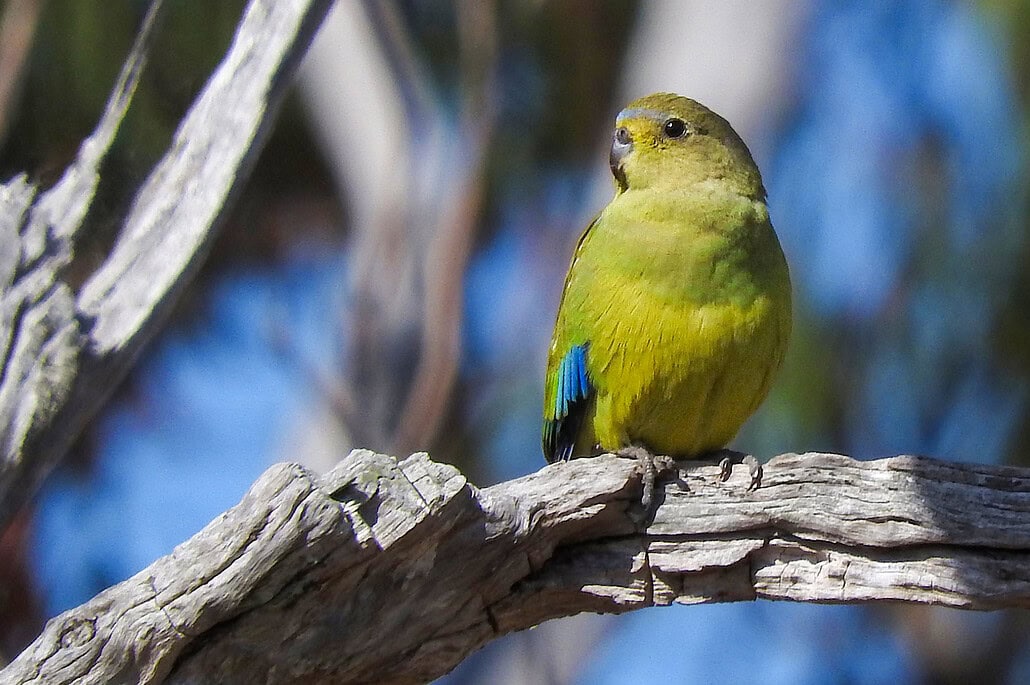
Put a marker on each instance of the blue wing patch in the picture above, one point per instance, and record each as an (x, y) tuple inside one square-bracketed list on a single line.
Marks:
[(574, 392)]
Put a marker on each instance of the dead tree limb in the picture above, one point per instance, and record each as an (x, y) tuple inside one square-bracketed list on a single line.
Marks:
[(62, 352), (392, 571)]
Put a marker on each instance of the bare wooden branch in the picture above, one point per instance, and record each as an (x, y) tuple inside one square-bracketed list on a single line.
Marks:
[(393, 571), (61, 352)]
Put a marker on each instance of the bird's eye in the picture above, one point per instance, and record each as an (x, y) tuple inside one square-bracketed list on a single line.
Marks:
[(675, 128)]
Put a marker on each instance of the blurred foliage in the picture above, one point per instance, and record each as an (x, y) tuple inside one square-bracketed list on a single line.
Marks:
[(1012, 331), (78, 51)]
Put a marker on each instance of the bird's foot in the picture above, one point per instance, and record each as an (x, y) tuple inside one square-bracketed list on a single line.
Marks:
[(651, 466), (730, 458)]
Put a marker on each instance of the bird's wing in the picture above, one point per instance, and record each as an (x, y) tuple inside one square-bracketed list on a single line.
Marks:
[(569, 388), (572, 395)]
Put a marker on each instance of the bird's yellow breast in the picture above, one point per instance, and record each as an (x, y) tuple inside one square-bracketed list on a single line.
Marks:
[(686, 323), (681, 380)]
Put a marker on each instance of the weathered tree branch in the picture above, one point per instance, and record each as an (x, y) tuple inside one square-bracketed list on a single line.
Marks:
[(393, 572), (62, 352)]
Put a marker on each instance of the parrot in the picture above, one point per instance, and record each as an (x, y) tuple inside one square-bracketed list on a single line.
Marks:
[(676, 309)]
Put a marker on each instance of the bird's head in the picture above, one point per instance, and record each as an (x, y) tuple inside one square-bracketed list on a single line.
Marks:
[(668, 142)]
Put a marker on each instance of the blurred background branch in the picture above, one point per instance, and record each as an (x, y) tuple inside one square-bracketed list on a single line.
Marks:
[(17, 29), (415, 194), (450, 237)]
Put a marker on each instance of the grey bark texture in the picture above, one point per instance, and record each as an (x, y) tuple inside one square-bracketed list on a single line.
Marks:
[(394, 571), (61, 351)]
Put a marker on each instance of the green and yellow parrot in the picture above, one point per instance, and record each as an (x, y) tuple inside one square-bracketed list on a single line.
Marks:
[(676, 309)]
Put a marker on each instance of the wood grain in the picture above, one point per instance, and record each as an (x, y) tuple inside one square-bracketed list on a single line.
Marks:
[(393, 571)]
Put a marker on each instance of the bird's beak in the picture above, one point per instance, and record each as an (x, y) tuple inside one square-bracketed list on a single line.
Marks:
[(622, 145)]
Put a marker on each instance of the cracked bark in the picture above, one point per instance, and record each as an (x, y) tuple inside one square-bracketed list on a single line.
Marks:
[(392, 571)]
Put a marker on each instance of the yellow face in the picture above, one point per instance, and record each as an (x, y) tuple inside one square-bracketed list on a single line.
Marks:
[(670, 142)]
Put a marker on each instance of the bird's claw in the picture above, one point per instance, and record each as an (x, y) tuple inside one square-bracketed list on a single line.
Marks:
[(725, 469), (753, 467), (651, 466)]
